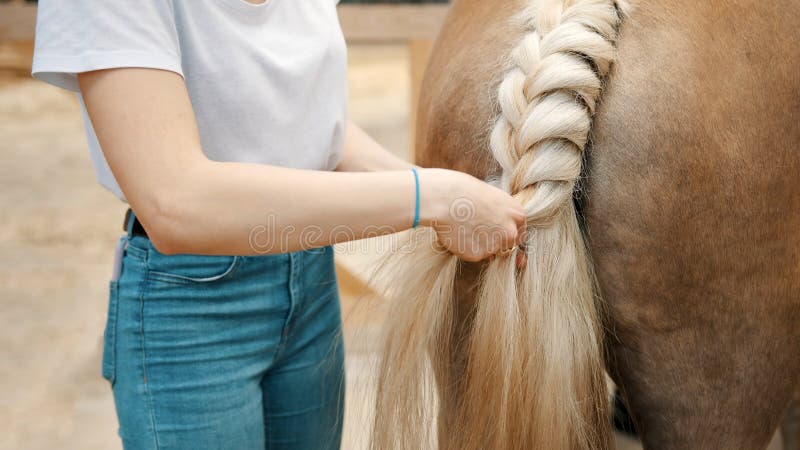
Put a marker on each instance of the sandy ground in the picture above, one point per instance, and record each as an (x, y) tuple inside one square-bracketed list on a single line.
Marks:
[(57, 232)]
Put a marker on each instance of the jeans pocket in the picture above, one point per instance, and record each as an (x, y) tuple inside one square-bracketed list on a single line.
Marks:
[(110, 335), (189, 269)]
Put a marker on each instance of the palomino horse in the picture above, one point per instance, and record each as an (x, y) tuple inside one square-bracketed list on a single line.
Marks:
[(690, 202)]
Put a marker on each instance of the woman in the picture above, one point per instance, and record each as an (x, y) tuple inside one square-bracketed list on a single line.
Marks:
[(222, 124)]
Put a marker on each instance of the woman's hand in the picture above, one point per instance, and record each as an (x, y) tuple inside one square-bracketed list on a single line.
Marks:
[(473, 219)]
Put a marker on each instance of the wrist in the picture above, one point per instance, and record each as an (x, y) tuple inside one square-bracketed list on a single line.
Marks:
[(434, 196)]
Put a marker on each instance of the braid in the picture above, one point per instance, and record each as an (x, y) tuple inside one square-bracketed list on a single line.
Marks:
[(527, 372), (536, 344), (547, 100)]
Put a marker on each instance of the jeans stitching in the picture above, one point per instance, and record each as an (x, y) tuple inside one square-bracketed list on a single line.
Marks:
[(135, 252), (147, 393), (184, 280), (293, 274), (110, 359)]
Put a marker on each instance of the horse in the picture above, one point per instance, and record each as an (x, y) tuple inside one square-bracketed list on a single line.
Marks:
[(670, 261)]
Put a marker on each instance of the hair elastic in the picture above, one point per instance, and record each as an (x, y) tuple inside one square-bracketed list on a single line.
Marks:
[(416, 192)]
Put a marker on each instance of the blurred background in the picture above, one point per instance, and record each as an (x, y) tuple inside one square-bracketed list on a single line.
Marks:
[(58, 228)]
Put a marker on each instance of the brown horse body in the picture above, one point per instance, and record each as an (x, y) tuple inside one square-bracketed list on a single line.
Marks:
[(691, 202)]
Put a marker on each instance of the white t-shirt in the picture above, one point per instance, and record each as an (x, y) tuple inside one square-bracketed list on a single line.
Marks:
[(267, 81)]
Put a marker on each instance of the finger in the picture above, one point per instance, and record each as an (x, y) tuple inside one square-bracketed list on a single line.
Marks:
[(510, 237), (507, 251), (519, 216), (470, 257), (505, 248)]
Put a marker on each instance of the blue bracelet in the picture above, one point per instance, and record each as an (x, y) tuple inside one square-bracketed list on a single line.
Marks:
[(416, 207)]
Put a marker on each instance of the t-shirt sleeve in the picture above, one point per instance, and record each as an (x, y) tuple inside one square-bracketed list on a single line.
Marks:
[(84, 35)]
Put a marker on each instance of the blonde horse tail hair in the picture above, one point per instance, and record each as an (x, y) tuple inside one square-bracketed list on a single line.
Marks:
[(417, 343), (534, 372)]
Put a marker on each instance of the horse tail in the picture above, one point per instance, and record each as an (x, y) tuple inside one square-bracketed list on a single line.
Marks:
[(533, 374)]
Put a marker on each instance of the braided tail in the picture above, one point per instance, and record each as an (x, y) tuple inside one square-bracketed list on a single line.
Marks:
[(534, 373), (536, 343)]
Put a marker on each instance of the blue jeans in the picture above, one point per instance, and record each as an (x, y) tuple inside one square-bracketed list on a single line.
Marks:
[(224, 352)]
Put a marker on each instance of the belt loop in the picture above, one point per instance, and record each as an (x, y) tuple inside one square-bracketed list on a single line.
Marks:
[(130, 218)]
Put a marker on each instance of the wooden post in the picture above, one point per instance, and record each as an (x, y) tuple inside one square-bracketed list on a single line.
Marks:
[(17, 22), (391, 22)]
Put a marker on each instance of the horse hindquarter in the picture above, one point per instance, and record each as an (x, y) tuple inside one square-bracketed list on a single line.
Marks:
[(693, 212)]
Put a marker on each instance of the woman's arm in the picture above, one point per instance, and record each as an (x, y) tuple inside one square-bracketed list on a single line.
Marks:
[(361, 153), (189, 204)]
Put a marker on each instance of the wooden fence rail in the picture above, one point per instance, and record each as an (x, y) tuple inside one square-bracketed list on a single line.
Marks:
[(361, 23)]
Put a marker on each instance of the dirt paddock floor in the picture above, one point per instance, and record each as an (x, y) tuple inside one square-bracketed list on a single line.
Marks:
[(57, 233)]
